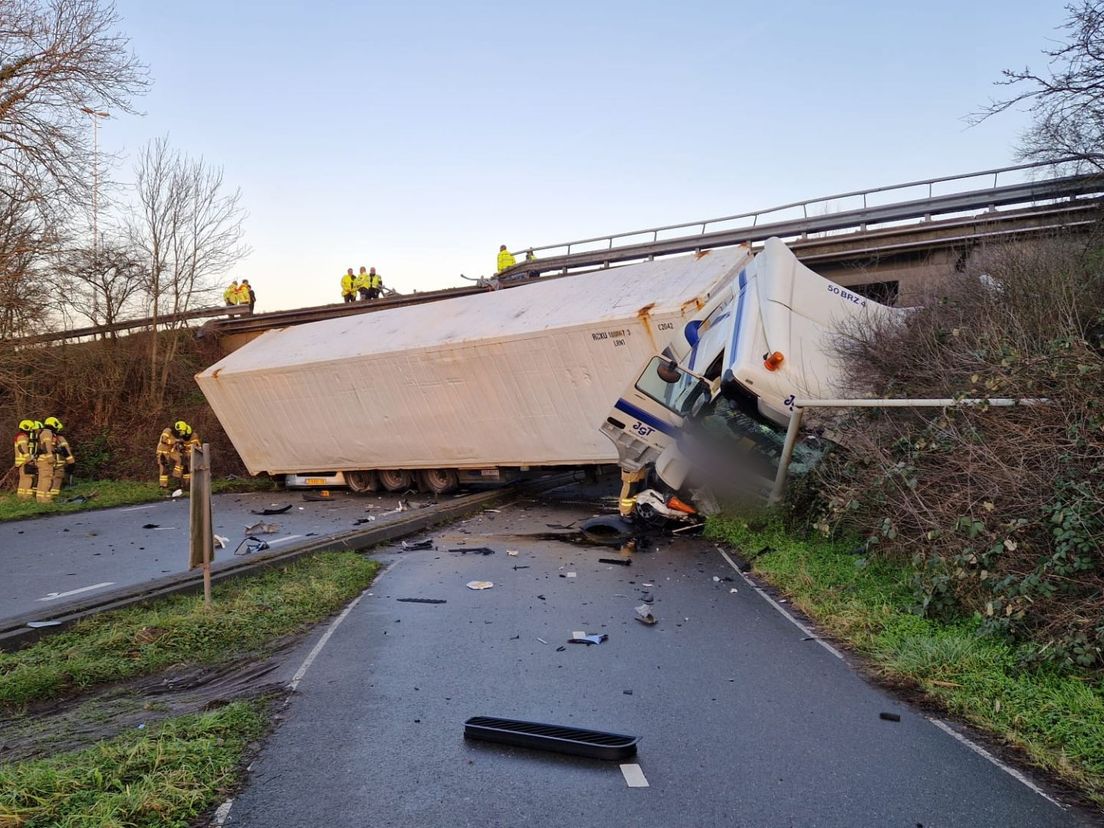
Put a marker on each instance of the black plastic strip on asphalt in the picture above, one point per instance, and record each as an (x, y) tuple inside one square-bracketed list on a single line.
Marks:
[(15, 633)]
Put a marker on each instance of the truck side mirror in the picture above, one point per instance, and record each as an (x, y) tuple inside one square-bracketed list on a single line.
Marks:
[(668, 372)]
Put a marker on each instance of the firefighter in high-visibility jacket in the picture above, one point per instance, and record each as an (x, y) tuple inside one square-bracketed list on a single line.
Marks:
[(46, 458), (505, 258), (375, 284), (64, 459), (26, 447), (174, 454)]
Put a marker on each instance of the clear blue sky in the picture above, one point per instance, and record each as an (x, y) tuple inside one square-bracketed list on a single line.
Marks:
[(418, 136)]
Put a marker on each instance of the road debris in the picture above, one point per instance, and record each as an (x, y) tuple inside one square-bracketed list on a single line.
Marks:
[(475, 550), (541, 640), (37, 625), (480, 584), (363, 520), (220, 542), (513, 553), (516, 568), (178, 493), (583, 638), (251, 544), (151, 526), (617, 561), (316, 497), (82, 498), (593, 744), (541, 597), (262, 529), (560, 649), (272, 510), (422, 544), (423, 600), (644, 615), (890, 717)]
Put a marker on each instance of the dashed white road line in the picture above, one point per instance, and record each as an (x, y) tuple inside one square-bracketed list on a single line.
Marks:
[(53, 596), (780, 608), (634, 776), (222, 813), (946, 728), (980, 751)]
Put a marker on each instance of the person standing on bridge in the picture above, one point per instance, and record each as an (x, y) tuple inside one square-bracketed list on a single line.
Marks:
[(230, 295), (375, 284), (248, 297), (26, 447), (506, 259), (362, 283), (349, 286)]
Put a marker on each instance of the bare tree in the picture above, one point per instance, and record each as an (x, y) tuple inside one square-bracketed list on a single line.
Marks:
[(101, 283), (189, 226), (1067, 98), (58, 60), (24, 300)]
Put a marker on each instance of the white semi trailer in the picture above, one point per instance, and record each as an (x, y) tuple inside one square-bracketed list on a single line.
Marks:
[(462, 389), (711, 409)]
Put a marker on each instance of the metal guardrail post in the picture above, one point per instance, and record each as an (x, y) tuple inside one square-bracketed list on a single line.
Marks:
[(202, 541), (787, 454)]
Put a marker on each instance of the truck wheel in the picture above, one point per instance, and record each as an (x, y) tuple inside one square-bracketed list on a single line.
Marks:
[(362, 482), (395, 480), (438, 481)]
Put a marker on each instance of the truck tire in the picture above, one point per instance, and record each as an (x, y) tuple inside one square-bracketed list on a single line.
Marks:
[(395, 480), (438, 481), (362, 482)]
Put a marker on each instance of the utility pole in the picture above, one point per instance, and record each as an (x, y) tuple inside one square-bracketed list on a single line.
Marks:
[(95, 116)]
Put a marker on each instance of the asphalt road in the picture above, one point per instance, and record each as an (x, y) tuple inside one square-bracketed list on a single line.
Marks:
[(742, 721), (76, 555)]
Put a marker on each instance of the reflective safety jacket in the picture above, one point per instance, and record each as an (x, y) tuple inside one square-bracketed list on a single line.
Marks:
[(25, 448), (168, 443), (375, 281), (65, 456), (230, 295), (47, 445), (243, 295), (361, 281), (348, 284), (530, 256), (505, 259)]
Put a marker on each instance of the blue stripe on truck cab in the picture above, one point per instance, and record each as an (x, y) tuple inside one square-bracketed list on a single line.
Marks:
[(645, 417)]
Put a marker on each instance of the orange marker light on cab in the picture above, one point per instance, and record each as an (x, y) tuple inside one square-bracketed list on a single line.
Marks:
[(772, 362)]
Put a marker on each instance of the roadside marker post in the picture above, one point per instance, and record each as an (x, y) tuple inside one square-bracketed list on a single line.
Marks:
[(201, 547)]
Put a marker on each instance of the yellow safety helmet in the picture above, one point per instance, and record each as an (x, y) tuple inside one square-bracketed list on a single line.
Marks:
[(181, 427), (26, 425), (38, 425), (54, 423)]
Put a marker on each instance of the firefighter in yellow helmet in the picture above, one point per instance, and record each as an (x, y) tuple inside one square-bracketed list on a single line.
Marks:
[(348, 286), (64, 459), (174, 454), (505, 258), (46, 457), (26, 447)]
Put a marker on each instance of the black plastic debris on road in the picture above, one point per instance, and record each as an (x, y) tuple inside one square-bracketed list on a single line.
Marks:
[(475, 550), (423, 544), (617, 561), (575, 741), (890, 717), (422, 600), (272, 510), (597, 638), (151, 525)]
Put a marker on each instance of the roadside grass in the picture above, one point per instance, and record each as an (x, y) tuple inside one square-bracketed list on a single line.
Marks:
[(247, 615), (166, 775), (1056, 718), (110, 493)]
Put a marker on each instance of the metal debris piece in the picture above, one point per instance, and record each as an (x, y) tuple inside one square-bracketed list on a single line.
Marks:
[(422, 544), (560, 649), (480, 584), (422, 600), (597, 638), (220, 542), (618, 561), (516, 568), (542, 641), (513, 553), (475, 550), (363, 520), (272, 510), (251, 544)]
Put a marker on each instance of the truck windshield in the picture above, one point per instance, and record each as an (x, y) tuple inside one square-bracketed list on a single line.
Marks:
[(679, 397)]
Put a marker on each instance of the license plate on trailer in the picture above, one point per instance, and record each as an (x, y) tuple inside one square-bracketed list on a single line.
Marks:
[(316, 481)]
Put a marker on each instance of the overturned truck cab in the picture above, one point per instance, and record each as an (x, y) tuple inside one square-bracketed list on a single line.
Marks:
[(704, 422)]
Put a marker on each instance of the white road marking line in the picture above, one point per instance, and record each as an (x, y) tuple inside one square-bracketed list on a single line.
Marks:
[(780, 608), (980, 751), (634, 776), (222, 813), (53, 596), (139, 508), (313, 654)]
